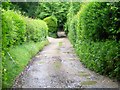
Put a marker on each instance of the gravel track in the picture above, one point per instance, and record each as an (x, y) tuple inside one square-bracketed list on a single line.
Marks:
[(57, 66)]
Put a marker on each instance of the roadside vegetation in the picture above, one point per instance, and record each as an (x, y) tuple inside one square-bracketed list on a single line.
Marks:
[(52, 26), (92, 27), (94, 32), (22, 38)]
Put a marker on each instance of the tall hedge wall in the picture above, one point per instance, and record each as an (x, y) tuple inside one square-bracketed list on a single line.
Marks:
[(17, 29), (22, 38), (74, 8), (100, 21), (94, 31)]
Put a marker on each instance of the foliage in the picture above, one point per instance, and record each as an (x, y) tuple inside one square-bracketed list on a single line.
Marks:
[(36, 30), (17, 59), (42, 10), (74, 8), (52, 25), (0, 49), (14, 29), (58, 9), (99, 22), (93, 30), (6, 5), (94, 33), (27, 8), (72, 30), (102, 57), (18, 31)]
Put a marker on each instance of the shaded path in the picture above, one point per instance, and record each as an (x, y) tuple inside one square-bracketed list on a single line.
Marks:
[(57, 66)]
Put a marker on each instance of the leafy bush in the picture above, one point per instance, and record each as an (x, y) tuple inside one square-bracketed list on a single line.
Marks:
[(58, 9), (13, 29), (6, 5), (72, 30), (102, 57), (94, 33), (99, 22), (74, 8), (0, 49), (42, 10), (52, 26), (36, 30), (22, 38), (17, 29)]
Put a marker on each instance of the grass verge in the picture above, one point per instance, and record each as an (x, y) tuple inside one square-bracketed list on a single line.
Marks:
[(16, 60)]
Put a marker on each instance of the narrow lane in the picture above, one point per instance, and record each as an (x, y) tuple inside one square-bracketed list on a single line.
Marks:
[(57, 66)]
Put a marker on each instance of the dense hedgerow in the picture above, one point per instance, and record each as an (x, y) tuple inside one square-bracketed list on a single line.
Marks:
[(13, 29), (102, 57), (52, 25), (72, 30), (74, 8), (17, 29), (22, 38), (100, 21), (96, 38), (36, 30), (0, 49)]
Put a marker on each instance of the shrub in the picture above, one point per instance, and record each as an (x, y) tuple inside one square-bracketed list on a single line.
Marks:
[(0, 49), (102, 57), (97, 21), (58, 9), (95, 28), (18, 29), (52, 25), (72, 30), (22, 38), (13, 29), (36, 30), (74, 7), (6, 5)]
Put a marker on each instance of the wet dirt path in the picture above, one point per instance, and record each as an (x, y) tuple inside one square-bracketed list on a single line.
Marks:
[(57, 66)]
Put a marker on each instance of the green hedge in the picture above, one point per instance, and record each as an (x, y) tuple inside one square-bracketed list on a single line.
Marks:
[(74, 8), (72, 30), (100, 21), (94, 32), (0, 49), (22, 38), (17, 29), (52, 26), (13, 29), (36, 30), (102, 57)]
